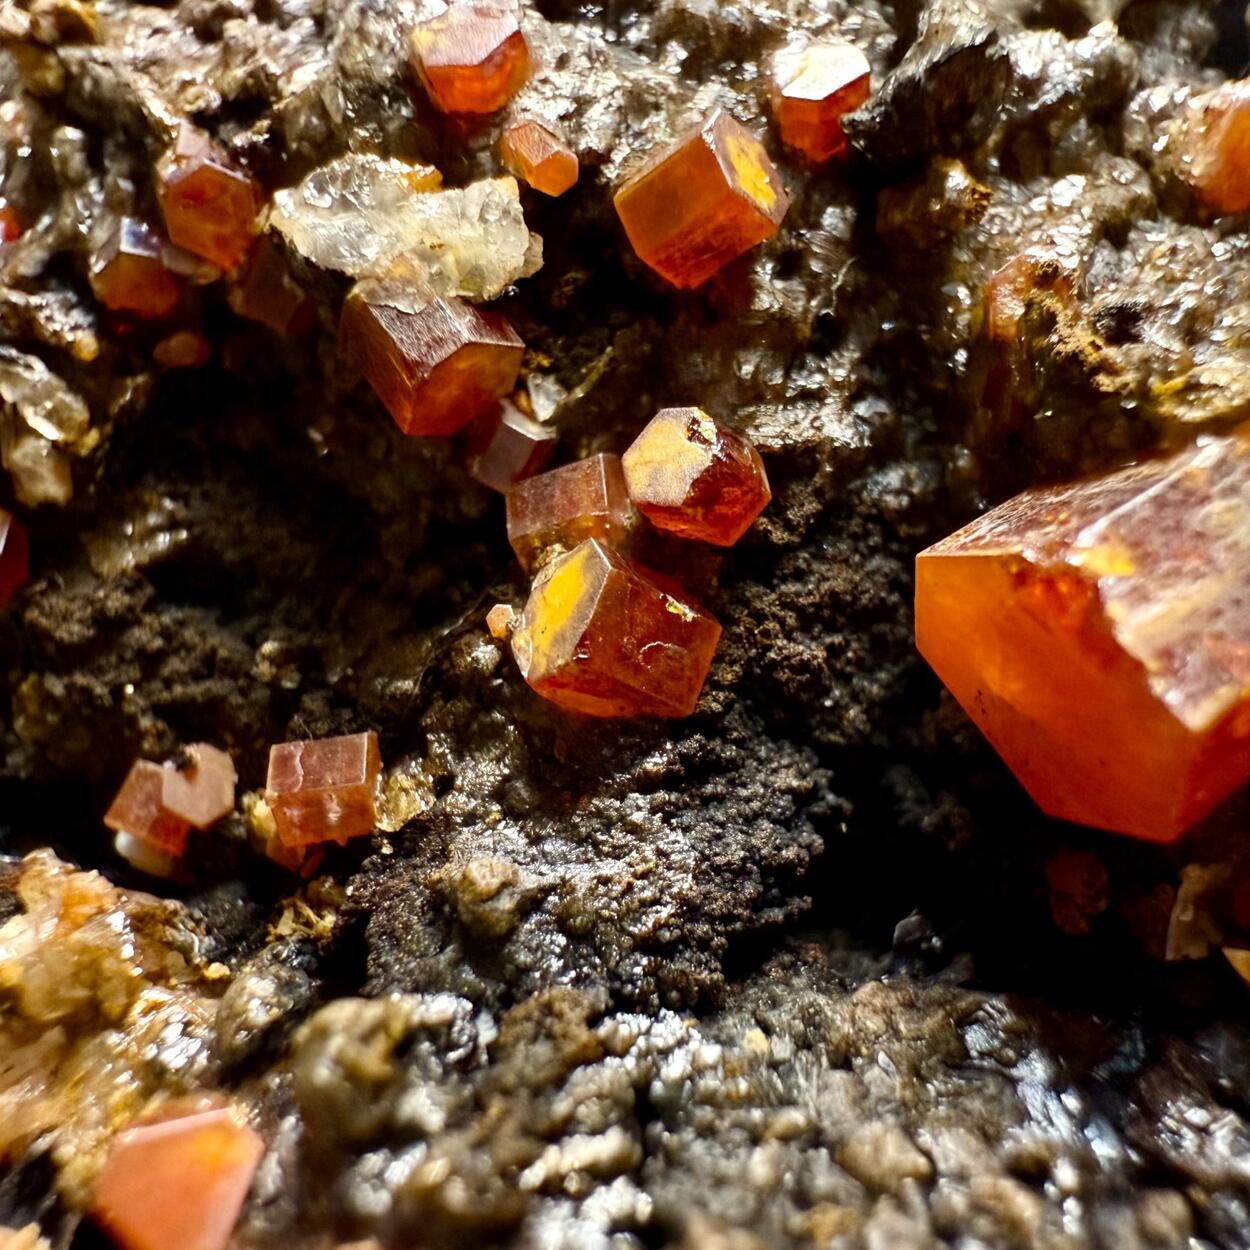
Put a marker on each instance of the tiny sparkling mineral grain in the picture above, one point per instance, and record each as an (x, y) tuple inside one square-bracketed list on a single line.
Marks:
[(324, 790), (1099, 634), (539, 157), (209, 206), (199, 789), (813, 86), (694, 478), (179, 1182), (139, 811), (1212, 143), (128, 274), (14, 556), (505, 446), (601, 637), (472, 58), (435, 363), (701, 204), (555, 511)]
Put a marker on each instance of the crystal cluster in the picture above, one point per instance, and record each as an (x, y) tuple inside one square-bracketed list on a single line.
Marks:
[(14, 556), (129, 274), (813, 86), (1211, 141), (539, 157), (1099, 635), (472, 58), (701, 204), (324, 790)]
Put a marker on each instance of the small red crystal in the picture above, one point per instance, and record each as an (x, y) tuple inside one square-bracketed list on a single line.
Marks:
[(472, 58), (539, 157), (178, 1182), (435, 363), (1010, 287), (128, 274), (556, 510), (505, 446), (813, 87), (139, 810), (265, 291), (14, 556), (199, 789), (694, 478), (10, 224), (1212, 144), (324, 790)]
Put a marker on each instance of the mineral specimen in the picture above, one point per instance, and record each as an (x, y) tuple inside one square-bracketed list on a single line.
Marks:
[(265, 291), (599, 636), (504, 446), (1098, 634), (139, 811), (435, 363), (14, 556), (555, 511), (539, 157), (697, 206), (1211, 141), (10, 224), (688, 475), (209, 206), (1010, 287), (472, 58), (813, 85), (178, 1182), (128, 274), (199, 788), (324, 790)]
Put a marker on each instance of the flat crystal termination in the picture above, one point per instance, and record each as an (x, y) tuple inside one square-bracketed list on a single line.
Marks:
[(178, 1182), (694, 478), (325, 789), (14, 556), (539, 157), (129, 275), (1099, 635), (139, 810), (599, 636), (200, 792), (702, 203), (471, 59), (505, 446), (435, 363), (813, 86), (1212, 138), (554, 511)]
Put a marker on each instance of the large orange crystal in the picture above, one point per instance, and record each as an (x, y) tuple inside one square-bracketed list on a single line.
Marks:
[(600, 636), (324, 790), (435, 363), (179, 1182), (209, 206), (813, 87), (554, 511), (472, 58), (14, 556), (701, 204), (128, 274), (1099, 634), (694, 478), (1212, 144), (539, 157)]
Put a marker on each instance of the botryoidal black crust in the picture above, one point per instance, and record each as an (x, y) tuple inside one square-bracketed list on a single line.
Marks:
[(784, 974)]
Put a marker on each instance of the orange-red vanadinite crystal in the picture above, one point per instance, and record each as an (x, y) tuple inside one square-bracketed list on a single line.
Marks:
[(1212, 142), (1099, 634), (505, 446), (703, 203), (324, 790), (435, 363), (472, 58), (539, 157), (688, 475), (128, 274), (14, 556), (599, 636), (813, 86)]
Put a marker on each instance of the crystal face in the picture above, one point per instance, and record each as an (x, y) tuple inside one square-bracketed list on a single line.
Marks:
[(1010, 287), (539, 157), (555, 511), (1099, 635), (701, 204), (599, 636), (14, 556), (199, 789), (139, 811), (505, 446), (324, 790), (1212, 144), (178, 1182), (692, 477), (266, 292), (813, 86), (435, 363), (128, 274), (471, 59), (209, 206)]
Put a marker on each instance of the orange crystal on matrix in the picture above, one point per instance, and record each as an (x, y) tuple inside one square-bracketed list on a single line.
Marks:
[(14, 556), (813, 86), (538, 157), (472, 58), (556, 510), (128, 274), (139, 811), (1010, 287), (599, 636), (209, 206), (324, 790), (703, 203), (435, 363), (1212, 143), (1099, 635), (178, 1182), (692, 477)]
